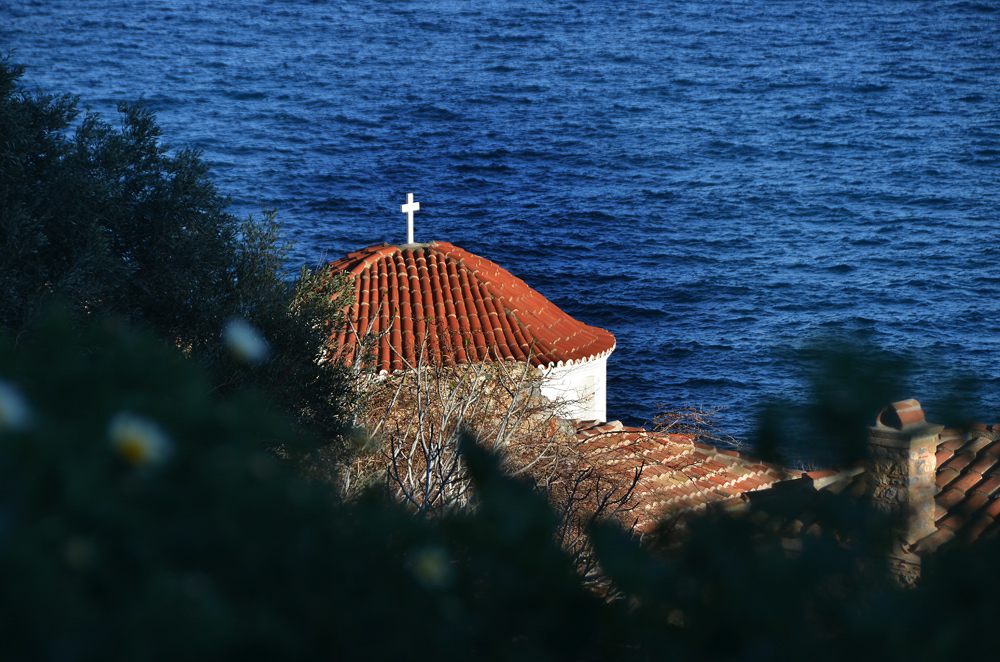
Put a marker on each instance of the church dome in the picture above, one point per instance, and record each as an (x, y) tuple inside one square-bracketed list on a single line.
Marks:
[(456, 308)]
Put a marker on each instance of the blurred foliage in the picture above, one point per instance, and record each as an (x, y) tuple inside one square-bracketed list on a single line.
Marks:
[(142, 519), (115, 223), (846, 383), (217, 549)]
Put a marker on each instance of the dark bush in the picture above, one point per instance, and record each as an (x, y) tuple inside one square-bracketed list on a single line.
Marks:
[(115, 223), (141, 519)]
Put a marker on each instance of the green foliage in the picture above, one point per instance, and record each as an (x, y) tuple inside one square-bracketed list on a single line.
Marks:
[(113, 222), (218, 550), (297, 329), (108, 219), (202, 544), (735, 588)]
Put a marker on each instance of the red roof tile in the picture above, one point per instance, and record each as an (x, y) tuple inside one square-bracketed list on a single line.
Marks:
[(679, 477), (967, 502), (989, 485), (455, 307), (978, 475)]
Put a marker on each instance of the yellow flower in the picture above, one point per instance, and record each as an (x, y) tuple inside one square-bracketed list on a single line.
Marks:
[(244, 341), (15, 414), (139, 440)]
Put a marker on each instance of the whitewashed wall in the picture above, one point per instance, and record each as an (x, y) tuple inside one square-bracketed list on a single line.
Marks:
[(580, 389)]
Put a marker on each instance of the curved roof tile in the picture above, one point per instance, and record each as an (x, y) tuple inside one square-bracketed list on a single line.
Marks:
[(456, 307)]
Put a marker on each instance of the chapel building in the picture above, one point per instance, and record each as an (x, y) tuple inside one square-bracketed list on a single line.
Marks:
[(436, 303)]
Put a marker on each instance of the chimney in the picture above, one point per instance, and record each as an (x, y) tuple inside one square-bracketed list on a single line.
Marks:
[(902, 471)]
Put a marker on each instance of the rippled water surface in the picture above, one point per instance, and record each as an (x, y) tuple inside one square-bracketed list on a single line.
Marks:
[(717, 183)]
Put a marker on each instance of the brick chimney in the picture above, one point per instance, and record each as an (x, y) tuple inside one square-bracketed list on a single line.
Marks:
[(901, 478)]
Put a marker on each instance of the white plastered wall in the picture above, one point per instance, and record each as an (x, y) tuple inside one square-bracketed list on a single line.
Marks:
[(580, 389)]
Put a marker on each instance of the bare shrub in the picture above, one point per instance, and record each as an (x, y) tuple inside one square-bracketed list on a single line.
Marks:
[(415, 418), (407, 440), (583, 493), (698, 422)]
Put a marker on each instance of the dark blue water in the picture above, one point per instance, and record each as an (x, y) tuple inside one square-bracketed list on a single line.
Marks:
[(717, 183)]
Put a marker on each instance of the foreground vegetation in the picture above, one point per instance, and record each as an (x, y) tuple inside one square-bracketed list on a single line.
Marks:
[(153, 503)]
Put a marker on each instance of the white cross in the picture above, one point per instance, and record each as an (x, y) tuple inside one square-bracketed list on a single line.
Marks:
[(408, 209)]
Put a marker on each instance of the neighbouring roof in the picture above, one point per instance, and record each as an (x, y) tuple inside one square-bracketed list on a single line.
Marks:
[(681, 477), (967, 501), (968, 483), (454, 307)]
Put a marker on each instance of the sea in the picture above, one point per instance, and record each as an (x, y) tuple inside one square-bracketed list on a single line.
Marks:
[(736, 189)]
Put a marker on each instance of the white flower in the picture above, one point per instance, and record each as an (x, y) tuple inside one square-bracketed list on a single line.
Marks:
[(245, 341), (139, 440), (15, 414)]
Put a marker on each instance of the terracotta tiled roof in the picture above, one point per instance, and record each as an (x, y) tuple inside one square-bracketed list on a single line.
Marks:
[(679, 476), (967, 501), (456, 308), (968, 481)]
